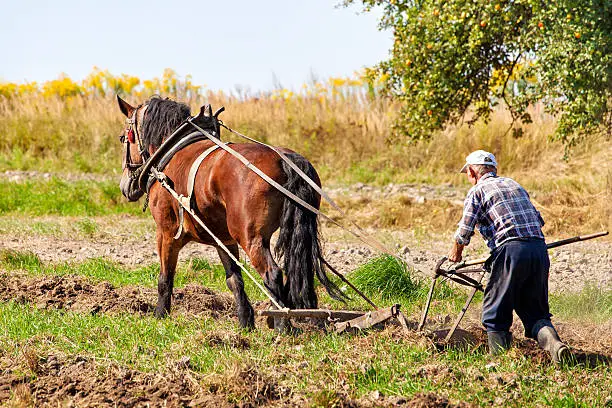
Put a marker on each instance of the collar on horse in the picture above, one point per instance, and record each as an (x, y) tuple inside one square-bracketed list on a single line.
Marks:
[(178, 140)]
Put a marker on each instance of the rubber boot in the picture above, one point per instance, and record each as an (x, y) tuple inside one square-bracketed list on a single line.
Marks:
[(548, 339), (499, 342)]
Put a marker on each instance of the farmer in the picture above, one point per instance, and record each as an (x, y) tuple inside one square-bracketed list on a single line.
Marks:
[(519, 262)]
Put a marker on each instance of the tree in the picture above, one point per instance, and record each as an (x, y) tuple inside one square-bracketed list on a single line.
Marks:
[(453, 55)]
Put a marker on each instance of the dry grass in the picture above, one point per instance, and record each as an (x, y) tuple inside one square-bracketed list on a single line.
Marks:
[(346, 137)]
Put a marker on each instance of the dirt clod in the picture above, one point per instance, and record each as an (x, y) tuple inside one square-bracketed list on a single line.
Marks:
[(82, 382), (76, 293)]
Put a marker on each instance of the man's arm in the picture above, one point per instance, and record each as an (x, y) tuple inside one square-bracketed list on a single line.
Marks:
[(455, 253), (466, 227)]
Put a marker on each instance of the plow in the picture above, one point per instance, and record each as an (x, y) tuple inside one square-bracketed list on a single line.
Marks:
[(468, 273), (462, 272)]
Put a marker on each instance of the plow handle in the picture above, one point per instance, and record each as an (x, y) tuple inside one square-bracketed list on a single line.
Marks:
[(548, 246), (576, 239)]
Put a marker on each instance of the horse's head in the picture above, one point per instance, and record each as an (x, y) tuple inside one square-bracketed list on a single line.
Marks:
[(134, 151), (147, 126)]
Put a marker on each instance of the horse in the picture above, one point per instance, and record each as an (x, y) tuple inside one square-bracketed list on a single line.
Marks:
[(238, 206)]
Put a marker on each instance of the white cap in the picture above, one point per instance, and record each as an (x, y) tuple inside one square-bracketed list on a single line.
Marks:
[(479, 157)]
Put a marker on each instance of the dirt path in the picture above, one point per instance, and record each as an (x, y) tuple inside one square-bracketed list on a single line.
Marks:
[(572, 266)]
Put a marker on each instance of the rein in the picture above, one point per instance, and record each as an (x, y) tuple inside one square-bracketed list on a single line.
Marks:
[(372, 242), (148, 173)]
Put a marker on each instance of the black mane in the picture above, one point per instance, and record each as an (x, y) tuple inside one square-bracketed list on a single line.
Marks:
[(161, 118)]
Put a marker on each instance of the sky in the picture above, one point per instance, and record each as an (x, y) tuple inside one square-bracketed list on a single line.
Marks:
[(254, 45)]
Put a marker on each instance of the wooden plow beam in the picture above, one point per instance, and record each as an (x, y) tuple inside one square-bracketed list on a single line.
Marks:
[(343, 320)]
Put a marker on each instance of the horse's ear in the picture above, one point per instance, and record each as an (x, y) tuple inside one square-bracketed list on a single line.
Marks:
[(125, 107), (221, 109), (206, 110)]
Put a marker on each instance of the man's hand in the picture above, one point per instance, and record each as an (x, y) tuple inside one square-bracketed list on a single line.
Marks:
[(455, 253)]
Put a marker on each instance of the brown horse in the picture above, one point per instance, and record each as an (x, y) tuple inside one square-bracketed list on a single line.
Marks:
[(235, 203)]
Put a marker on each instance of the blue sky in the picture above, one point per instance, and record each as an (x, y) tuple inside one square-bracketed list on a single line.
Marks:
[(220, 43)]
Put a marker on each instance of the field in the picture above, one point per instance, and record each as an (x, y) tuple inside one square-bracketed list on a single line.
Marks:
[(78, 265)]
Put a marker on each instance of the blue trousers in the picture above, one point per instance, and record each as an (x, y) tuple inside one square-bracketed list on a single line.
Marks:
[(519, 282)]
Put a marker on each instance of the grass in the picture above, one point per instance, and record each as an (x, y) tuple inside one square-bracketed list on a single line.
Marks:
[(593, 303), (85, 227), (64, 198), (566, 209), (323, 368), (386, 281), (347, 138)]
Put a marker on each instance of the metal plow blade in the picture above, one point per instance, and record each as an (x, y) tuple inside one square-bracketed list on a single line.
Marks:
[(344, 320)]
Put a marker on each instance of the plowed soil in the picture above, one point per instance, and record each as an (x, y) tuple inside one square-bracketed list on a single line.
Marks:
[(77, 294), (55, 380)]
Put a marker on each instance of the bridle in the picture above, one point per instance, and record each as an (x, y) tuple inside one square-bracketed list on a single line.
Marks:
[(131, 135)]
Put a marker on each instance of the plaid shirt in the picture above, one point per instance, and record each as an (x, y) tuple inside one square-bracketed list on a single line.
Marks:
[(502, 210)]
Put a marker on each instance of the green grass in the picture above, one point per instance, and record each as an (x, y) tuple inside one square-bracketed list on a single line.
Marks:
[(593, 303), (58, 197), (386, 281), (356, 364)]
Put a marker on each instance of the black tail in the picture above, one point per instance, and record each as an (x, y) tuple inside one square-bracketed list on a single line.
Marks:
[(298, 242)]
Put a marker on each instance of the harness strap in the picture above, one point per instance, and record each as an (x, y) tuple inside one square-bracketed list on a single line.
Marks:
[(194, 170), (179, 232), (365, 236), (368, 240), (162, 162), (188, 201), (267, 178), (163, 180)]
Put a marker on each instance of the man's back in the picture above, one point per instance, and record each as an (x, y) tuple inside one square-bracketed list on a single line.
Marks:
[(503, 211)]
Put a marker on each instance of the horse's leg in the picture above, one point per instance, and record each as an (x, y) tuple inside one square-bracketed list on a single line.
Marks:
[(168, 249), (233, 277), (263, 261)]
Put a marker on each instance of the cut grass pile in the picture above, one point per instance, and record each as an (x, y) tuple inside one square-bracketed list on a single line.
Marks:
[(321, 368)]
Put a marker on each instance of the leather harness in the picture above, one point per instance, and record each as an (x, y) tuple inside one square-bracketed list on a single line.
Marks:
[(159, 160), (187, 201)]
